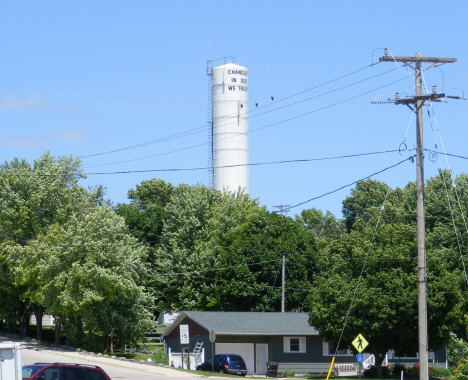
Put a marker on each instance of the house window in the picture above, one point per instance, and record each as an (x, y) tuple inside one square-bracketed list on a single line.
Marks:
[(329, 349), (294, 344)]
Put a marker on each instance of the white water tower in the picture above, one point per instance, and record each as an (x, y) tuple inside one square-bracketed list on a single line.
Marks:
[(230, 126)]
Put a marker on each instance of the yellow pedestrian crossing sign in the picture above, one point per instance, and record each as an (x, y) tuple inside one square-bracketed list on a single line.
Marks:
[(360, 343)]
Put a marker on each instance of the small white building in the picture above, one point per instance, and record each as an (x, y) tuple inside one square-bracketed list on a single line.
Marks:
[(47, 320), (167, 317)]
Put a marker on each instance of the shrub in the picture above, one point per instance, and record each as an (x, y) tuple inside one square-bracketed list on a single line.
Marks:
[(461, 372), (415, 370), (386, 370), (457, 348), (290, 372), (371, 371), (161, 357), (397, 368), (440, 372)]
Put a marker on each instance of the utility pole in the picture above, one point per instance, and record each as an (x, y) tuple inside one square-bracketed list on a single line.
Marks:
[(418, 101), (283, 208), (283, 283)]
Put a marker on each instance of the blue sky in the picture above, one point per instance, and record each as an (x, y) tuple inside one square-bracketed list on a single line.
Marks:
[(87, 77)]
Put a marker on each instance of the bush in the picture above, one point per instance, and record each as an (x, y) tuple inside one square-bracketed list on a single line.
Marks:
[(440, 372), (372, 371), (290, 372), (415, 370), (161, 357), (461, 372), (397, 368), (457, 348)]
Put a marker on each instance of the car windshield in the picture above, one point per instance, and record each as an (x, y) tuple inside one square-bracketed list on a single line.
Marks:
[(30, 370), (235, 358)]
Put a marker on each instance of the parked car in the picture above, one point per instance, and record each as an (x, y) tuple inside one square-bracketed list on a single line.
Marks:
[(63, 371), (226, 363)]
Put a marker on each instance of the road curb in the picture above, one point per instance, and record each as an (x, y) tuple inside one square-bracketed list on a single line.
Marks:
[(35, 345)]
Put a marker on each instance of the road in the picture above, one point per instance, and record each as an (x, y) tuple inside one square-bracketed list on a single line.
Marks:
[(116, 369)]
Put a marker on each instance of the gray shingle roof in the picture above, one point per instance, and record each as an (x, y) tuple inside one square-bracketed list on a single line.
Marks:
[(253, 323)]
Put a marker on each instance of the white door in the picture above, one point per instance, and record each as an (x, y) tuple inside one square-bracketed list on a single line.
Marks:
[(246, 350), (261, 354)]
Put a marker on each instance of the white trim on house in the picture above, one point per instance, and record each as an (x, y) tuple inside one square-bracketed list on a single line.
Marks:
[(294, 344), (326, 351), (391, 355)]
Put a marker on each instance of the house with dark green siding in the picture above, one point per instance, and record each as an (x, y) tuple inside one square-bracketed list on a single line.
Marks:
[(286, 338)]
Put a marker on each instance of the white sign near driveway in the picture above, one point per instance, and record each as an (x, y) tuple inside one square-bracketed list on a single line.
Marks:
[(184, 334)]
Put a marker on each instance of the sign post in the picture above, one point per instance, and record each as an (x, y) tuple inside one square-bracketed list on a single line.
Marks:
[(360, 343), (359, 358), (212, 339), (184, 339)]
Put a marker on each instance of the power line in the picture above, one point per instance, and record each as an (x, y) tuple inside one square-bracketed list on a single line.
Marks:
[(215, 269), (329, 291), (314, 256), (204, 126), (202, 168), (352, 183), (446, 154), (253, 130)]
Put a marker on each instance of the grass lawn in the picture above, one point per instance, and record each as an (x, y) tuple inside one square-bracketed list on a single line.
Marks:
[(206, 373), (161, 328), (216, 374), (135, 356)]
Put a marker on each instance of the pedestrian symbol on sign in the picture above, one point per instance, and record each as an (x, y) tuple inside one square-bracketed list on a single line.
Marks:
[(360, 343)]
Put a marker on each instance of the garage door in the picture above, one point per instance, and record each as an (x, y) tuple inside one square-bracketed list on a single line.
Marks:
[(246, 350)]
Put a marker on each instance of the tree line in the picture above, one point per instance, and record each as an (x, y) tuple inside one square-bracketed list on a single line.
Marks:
[(102, 269)]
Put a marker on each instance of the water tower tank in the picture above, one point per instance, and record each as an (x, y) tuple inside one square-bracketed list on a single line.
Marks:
[(230, 127)]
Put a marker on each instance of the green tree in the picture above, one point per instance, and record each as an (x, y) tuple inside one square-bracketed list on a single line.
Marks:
[(187, 255), (88, 275), (322, 226), (222, 252), (35, 197), (367, 195), (252, 253), (385, 305), (145, 214)]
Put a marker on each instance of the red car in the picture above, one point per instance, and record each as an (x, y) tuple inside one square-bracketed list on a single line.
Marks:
[(63, 371)]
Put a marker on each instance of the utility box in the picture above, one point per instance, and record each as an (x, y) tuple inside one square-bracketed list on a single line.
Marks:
[(10, 361)]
